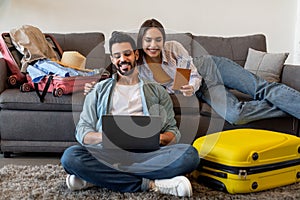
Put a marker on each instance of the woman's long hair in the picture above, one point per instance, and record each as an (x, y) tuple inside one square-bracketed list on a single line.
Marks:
[(150, 23)]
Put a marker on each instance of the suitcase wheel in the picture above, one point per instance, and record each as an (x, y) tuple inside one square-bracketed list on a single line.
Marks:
[(25, 87), (254, 185), (12, 80), (58, 92), (255, 156)]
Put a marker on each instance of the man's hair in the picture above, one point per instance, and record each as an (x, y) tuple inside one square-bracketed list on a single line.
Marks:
[(121, 37)]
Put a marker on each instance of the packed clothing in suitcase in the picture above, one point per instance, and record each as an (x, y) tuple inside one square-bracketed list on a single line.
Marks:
[(61, 77), (37, 62), (59, 86), (14, 57), (248, 160)]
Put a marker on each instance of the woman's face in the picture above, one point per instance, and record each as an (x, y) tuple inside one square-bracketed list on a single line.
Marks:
[(153, 42)]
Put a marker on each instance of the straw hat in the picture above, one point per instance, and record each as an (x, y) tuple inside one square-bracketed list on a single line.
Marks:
[(73, 59)]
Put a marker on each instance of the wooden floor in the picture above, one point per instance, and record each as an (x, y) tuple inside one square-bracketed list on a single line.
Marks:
[(31, 159)]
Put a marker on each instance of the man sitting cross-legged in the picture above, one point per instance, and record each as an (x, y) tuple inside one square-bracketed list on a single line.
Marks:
[(89, 164)]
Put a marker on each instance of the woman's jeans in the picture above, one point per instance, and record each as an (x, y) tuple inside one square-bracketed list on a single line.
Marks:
[(124, 171), (269, 99)]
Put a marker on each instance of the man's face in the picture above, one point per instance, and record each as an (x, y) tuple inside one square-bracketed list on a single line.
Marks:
[(123, 57)]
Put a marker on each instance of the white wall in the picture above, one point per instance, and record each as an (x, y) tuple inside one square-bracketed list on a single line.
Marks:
[(296, 53), (275, 18)]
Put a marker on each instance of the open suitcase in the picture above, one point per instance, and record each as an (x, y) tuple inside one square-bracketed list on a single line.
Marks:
[(59, 86), (13, 57), (247, 160)]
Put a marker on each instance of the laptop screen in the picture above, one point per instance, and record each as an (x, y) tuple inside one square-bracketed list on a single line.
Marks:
[(131, 132)]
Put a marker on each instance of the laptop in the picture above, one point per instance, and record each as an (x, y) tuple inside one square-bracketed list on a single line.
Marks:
[(133, 133)]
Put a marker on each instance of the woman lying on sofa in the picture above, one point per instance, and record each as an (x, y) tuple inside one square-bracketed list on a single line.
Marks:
[(159, 60)]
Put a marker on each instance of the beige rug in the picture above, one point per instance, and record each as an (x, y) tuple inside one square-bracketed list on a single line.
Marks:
[(48, 182)]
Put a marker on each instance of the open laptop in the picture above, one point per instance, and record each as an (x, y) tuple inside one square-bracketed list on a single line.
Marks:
[(133, 133)]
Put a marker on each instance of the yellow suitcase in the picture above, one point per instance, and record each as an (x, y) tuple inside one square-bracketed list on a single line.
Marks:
[(247, 160)]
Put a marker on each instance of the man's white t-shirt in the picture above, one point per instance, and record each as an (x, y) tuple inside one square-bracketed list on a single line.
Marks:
[(126, 99)]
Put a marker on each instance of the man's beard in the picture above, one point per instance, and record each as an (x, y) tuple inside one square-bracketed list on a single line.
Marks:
[(125, 73)]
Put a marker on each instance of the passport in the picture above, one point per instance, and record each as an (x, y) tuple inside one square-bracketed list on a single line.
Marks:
[(182, 77)]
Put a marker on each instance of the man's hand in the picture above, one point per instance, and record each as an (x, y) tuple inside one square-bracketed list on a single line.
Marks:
[(167, 138), (92, 138), (187, 90), (88, 87)]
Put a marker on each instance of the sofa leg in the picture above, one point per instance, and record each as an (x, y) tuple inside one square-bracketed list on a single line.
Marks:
[(6, 154)]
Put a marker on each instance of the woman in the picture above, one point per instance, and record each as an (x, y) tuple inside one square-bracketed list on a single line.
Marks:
[(160, 58)]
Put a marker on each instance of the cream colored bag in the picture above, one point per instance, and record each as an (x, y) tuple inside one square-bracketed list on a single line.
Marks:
[(31, 42)]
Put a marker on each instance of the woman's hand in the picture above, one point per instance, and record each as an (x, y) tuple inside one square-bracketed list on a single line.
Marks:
[(88, 87), (187, 90)]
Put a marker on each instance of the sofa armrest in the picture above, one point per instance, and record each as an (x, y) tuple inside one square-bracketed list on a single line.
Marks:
[(3, 75), (290, 76)]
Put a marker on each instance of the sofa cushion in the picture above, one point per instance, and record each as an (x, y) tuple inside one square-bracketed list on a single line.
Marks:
[(234, 48), (91, 45), (184, 38), (185, 105), (3, 75), (13, 99), (290, 76), (266, 65)]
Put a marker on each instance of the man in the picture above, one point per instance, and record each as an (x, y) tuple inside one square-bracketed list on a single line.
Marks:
[(89, 164)]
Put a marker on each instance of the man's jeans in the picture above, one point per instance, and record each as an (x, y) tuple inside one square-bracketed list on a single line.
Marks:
[(269, 99), (128, 172)]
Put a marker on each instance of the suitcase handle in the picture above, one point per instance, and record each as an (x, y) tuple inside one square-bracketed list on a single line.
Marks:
[(44, 92)]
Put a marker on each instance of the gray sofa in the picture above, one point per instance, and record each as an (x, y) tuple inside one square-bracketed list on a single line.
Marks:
[(27, 125)]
